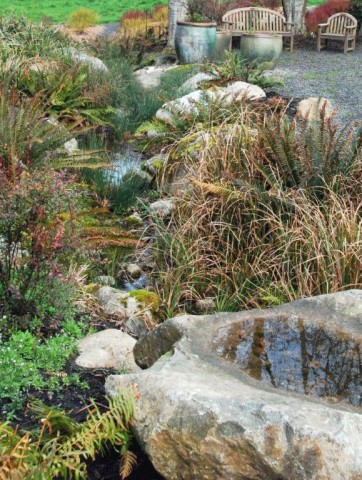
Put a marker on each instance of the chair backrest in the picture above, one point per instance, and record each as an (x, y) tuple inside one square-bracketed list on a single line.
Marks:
[(256, 20), (337, 23)]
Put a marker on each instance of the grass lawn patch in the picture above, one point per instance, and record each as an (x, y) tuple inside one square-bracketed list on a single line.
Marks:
[(59, 10)]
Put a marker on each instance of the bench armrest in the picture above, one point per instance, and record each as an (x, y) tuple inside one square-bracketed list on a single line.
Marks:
[(226, 21), (351, 27), (323, 25)]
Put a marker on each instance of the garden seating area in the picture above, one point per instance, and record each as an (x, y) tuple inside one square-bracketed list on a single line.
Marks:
[(254, 20)]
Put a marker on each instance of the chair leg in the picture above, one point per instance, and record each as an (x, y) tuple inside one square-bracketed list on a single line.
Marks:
[(345, 49), (292, 44), (353, 46), (319, 44)]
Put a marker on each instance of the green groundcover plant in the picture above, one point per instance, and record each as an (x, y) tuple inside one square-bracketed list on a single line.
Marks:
[(30, 363)]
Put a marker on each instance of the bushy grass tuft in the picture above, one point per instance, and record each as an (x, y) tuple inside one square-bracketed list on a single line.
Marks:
[(82, 18), (272, 213)]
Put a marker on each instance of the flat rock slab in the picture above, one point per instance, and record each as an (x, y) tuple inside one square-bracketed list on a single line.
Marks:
[(201, 417)]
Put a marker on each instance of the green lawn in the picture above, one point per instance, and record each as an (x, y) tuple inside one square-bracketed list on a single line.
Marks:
[(58, 10)]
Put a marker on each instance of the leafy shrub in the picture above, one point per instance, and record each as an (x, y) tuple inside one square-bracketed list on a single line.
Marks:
[(30, 364), (355, 9), (36, 231), (82, 19), (61, 446), (321, 13), (235, 68)]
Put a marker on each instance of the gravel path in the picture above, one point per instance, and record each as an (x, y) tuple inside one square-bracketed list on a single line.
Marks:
[(331, 74)]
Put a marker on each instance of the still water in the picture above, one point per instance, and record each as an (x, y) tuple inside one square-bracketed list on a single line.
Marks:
[(289, 354)]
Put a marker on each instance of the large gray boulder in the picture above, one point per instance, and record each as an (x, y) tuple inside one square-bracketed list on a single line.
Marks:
[(202, 416)]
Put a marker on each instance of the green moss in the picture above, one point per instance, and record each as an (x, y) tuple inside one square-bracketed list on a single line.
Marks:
[(146, 298), (132, 221), (158, 164)]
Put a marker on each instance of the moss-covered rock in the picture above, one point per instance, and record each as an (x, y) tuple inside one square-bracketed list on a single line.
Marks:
[(147, 299)]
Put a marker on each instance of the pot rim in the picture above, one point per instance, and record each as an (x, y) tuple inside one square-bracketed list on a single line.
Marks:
[(196, 24), (262, 35)]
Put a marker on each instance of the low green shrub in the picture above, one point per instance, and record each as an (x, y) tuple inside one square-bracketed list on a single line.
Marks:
[(236, 69), (29, 364), (82, 19)]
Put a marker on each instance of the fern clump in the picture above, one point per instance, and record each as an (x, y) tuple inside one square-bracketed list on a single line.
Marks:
[(61, 446)]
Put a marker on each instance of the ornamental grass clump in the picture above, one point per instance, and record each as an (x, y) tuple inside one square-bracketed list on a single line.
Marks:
[(82, 18), (272, 213)]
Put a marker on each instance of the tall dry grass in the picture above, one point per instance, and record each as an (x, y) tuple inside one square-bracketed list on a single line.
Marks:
[(273, 213)]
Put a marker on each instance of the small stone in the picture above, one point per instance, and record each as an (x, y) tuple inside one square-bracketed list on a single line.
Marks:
[(310, 108), (152, 165), (150, 77), (205, 305), (71, 146), (112, 300), (82, 57), (109, 348), (237, 91), (136, 327), (162, 208), (133, 270)]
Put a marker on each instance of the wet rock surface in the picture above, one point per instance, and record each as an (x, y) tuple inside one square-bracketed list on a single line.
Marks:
[(203, 416)]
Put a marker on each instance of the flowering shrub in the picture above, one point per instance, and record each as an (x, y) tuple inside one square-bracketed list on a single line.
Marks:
[(321, 13), (36, 235)]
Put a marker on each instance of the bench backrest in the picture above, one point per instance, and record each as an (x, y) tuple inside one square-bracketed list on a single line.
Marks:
[(337, 23), (256, 20)]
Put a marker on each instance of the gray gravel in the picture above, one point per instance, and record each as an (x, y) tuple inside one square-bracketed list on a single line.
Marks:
[(331, 74)]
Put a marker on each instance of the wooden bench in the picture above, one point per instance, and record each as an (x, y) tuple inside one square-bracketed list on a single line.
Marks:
[(341, 26), (258, 20)]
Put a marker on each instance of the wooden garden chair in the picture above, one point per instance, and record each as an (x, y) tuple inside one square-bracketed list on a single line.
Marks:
[(342, 27)]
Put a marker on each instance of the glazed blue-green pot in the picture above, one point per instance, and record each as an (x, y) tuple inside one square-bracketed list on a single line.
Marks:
[(261, 47), (223, 44), (194, 42)]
